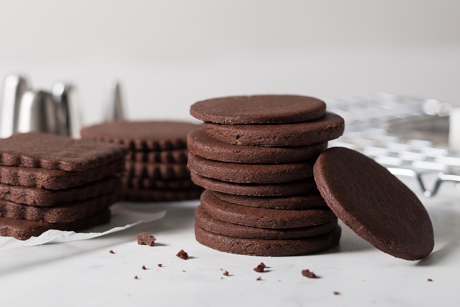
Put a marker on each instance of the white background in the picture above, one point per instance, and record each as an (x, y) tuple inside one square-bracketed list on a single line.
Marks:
[(169, 54)]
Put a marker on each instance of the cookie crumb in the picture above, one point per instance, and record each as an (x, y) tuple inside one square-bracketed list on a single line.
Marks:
[(144, 268), (112, 252), (183, 271), (182, 254), (226, 273), (260, 268), (135, 277), (160, 265), (429, 279), (308, 273), (336, 293), (259, 278), (221, 278), (145, 239)]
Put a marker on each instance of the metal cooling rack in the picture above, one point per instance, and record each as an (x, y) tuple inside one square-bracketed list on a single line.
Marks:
[(408, 136)]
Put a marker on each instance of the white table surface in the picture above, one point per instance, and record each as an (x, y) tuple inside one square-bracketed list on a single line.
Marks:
[(84, 273)]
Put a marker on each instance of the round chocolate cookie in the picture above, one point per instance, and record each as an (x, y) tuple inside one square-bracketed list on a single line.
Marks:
[(279, 189), (160, 171), (208, 223), (142, 135), (313, 200), (321, 130), (200, 144), (250, 173), (374, 203), (263, 218), (273, 248), (259, 109)]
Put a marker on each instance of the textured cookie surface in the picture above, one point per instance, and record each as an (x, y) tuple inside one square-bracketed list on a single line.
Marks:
[(250, 173), (23, 229), (162, 195), (148, 183), (161, 171), (164, 156), (258, 109), (57, 179), (263, 218), (274, 248), (142, 135), (329, 127), (208, 223), (55, 152), (278, 189), (374, 203), (200, 144), (313, 200), (59, 214), (41, 197)]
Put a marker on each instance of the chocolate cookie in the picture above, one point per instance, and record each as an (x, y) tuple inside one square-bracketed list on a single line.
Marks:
[(23, 229), (279, 189), (160, 171), (259, 109), (165, 156), (58, 214), (57, 179), (147, 183), (327, 128), (162, 195), (263, 218), (374, 203), (250, 173), (55, 152), (200, 144), (273, 248), (208, 223), (313, 200), (142, 135), (41, 197)]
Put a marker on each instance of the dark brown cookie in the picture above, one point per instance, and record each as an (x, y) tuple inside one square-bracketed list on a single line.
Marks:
[(263, 218), (321, 130), (59, 214), (200, 144), (160, 171), (23, 229), (273, 248), (45, 198), (258, 109), (165, 156), (155, 184), (374, 203), (208, 223), (279, 189), (250, 173), (142, 135), (312, 200), (55, 152), (57, 179), (162, 195)]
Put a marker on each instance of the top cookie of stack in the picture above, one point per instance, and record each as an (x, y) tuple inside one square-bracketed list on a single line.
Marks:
[(259, 152)]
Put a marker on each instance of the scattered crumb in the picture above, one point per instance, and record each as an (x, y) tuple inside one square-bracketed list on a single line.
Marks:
[(144, 268), (429, 279), (183, 270), (221, 278), (145, 239), (336, 292), (112, 252), (308, 273), (259, 278), (160, 265), (226, 273), (135, 277), (182, 254), (221, 269), (260, 268)]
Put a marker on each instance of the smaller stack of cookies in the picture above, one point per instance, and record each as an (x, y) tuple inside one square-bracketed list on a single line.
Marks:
[(255, 158), (156, 165), (55, 182)]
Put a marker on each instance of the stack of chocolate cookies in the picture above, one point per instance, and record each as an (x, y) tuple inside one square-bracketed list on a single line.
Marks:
[(156, 165), (55, 182), (255, 156)]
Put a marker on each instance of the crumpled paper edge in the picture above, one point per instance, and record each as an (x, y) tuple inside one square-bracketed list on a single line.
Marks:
[(124, 216)]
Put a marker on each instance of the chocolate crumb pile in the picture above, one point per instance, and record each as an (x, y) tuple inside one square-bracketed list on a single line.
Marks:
[(182, 254), (145, 239), (160, 265), (112, 252), (308, 273), (226, 273), (144, 268), (260, 268)]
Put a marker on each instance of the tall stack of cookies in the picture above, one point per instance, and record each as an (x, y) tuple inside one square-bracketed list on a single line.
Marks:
[(55, 182), (255, 156), (156, 165)]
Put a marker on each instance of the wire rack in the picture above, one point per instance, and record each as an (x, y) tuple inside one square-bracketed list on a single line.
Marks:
[(408, 136)]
